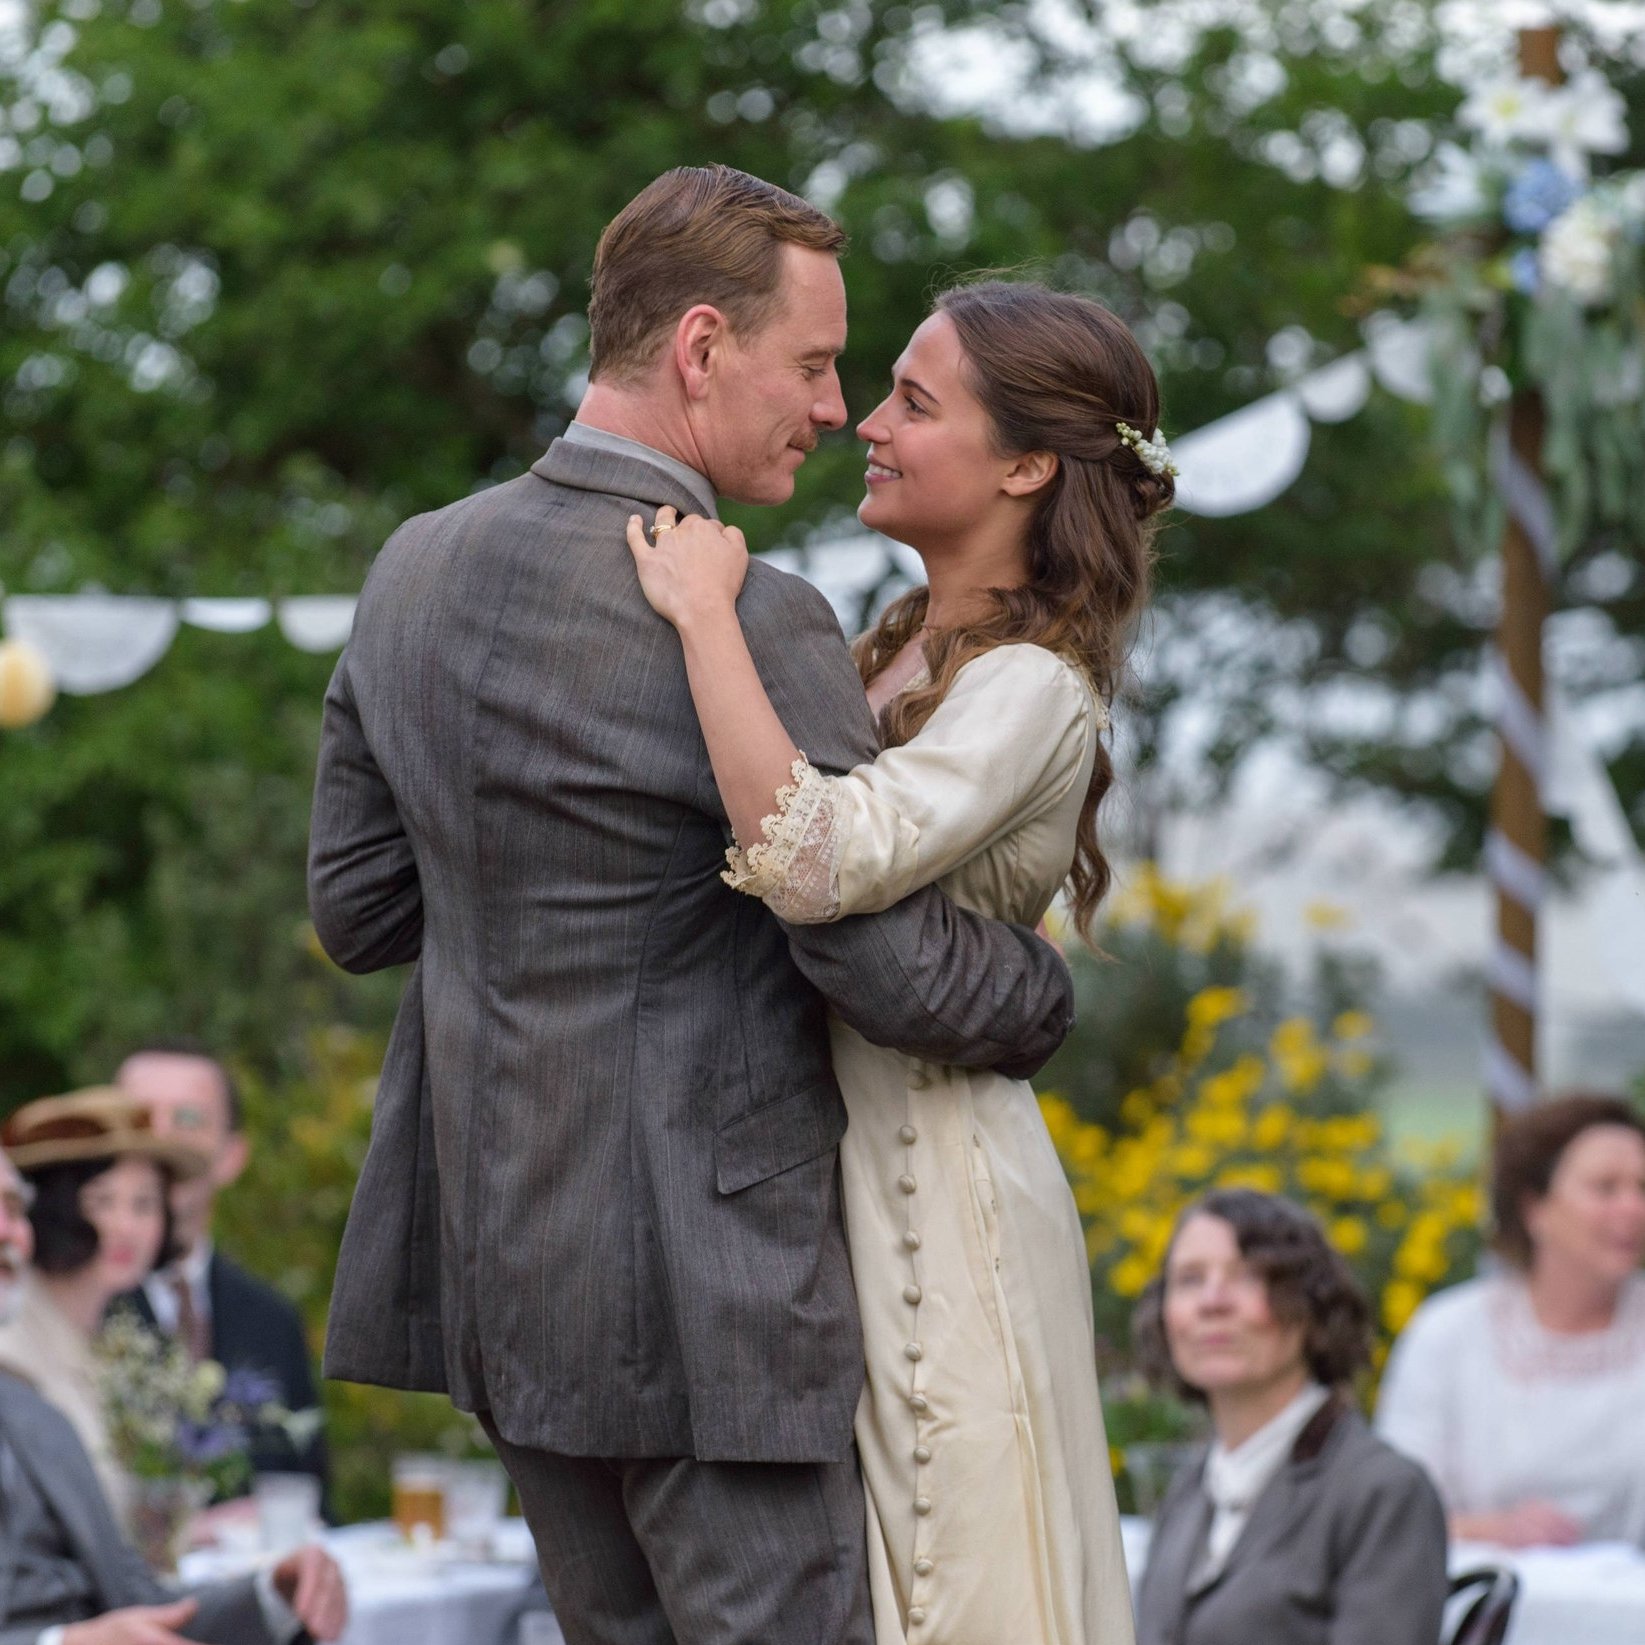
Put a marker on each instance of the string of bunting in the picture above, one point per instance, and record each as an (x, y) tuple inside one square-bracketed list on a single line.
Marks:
[(83, 644)]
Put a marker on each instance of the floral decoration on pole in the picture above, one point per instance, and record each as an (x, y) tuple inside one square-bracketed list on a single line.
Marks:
[(1538, 284), (1535, 298)]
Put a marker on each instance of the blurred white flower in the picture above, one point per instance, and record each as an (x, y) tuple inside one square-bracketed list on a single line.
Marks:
[(1578, 252), (208, 1381), (1509, 110), (1494, 386), (1587, 116), (1451, 189)]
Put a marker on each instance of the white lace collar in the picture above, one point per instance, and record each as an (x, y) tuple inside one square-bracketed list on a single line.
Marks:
[(1529, 1352)]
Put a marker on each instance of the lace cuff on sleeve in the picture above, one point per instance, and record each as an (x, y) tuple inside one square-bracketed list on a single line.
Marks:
[(794, 869)]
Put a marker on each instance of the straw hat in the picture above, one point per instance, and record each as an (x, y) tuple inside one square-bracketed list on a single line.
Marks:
[(101, 1123)]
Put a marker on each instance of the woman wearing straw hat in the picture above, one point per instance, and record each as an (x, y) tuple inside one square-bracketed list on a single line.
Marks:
[(102, 1223)]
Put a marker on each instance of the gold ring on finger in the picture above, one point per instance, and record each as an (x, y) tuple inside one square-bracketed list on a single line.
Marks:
[(658, 530)]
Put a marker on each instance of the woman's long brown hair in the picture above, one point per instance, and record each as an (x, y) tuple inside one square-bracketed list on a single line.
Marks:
[(1055, 372)]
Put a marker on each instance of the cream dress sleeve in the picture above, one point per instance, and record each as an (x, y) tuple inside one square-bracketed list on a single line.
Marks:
[(1002, 747)]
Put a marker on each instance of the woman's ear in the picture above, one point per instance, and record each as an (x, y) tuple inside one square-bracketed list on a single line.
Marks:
[(1029, 473)]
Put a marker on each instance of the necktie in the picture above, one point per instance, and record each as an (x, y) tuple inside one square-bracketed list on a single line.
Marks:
[(193, 1331)]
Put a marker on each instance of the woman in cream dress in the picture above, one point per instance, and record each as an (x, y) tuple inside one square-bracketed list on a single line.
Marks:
[(1000, 456)]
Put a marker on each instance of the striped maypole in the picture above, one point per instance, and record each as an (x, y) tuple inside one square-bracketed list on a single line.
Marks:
[(1516, 847)]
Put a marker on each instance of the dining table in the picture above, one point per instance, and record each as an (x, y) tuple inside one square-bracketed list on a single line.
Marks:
[(416, 1592)]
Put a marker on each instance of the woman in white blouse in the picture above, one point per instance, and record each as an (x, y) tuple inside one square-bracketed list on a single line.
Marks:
[(1523, 1393), (1015, 454)]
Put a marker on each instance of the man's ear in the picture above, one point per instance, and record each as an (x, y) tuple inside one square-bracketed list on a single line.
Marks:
[(235, 1155), (1029, 473), (698, 340)]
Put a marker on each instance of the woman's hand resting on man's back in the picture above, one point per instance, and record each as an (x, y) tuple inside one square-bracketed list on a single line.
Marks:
[(692, 569)]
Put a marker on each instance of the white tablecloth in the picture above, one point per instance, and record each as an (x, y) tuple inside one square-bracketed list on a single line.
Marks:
[(399, 1595), (1593, 1595)]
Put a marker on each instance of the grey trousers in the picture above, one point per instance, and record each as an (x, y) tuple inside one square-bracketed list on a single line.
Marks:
[(672, 1551)]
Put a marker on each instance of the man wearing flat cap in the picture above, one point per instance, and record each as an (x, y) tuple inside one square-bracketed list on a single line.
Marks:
[(67, 1574)]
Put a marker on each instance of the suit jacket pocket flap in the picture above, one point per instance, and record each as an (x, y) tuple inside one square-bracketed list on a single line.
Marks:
[(777, 1137)]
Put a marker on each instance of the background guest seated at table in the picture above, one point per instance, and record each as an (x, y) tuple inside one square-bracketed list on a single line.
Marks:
[(69, 1576), (1297, 1526), (100, 1222), (1523, 1393), (209, 1303)]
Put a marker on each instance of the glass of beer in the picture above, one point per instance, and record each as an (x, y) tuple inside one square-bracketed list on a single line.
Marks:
[(420, 1497)]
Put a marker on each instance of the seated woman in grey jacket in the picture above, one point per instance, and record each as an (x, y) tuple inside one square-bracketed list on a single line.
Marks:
[(1296, 1526)]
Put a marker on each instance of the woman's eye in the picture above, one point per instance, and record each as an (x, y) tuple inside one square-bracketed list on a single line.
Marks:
[(914, 406)]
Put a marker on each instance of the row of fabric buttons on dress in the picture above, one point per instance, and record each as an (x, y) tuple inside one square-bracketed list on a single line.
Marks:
[(919, 1079)]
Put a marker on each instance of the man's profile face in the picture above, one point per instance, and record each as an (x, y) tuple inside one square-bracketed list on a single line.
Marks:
[(775, 390), (185, 1099)]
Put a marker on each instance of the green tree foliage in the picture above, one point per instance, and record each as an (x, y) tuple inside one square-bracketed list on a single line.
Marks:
[(278, 275)]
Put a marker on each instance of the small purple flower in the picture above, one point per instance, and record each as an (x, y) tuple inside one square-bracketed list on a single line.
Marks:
[(1525, 270), (249, 1389), (1537, 196), (202, 1443)]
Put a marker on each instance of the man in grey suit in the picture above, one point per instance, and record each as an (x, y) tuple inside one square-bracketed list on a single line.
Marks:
[(600, 1206), (67, 1574)]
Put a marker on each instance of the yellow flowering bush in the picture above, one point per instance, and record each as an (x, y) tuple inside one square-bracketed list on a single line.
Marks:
[(1256, 1097)]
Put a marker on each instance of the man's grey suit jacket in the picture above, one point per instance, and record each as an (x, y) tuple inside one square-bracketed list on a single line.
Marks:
[(601, 1195), (42, 1440)]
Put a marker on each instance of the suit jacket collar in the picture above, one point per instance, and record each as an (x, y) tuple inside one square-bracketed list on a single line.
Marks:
[(1181, 1527), (618, 474), (1288, 1495), (693, 479)]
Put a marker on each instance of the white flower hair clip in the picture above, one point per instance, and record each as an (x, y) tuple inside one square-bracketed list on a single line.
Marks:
[(1154, 455)]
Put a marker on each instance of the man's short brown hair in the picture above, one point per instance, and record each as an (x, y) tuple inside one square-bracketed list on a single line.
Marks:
[(699, 234), (1529, 1148)]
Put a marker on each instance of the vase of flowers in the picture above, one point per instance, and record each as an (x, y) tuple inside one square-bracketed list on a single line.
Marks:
[(181, 1429), (160, 1513)]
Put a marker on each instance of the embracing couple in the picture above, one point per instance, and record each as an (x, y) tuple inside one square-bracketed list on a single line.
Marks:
[(718, 1191)]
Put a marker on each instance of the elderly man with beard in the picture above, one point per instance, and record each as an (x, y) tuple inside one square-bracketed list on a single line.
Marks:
[(72, 1578)]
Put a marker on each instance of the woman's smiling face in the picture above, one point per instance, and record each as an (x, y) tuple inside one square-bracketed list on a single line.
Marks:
[(932, 467)]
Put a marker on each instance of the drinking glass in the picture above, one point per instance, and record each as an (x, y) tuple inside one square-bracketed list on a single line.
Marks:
[(476, 1495), (288, 1509), (420, 1496)]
